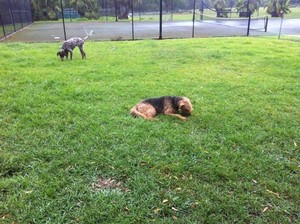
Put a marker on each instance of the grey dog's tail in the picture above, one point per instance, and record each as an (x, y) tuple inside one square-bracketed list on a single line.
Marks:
[(89, 35)]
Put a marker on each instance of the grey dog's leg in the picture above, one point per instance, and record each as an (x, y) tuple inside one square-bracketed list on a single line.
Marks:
[(71, 54), (82, 52)]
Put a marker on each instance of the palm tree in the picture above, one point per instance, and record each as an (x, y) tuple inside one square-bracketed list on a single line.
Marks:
[(242, 7), (277, 8), (220, 8)]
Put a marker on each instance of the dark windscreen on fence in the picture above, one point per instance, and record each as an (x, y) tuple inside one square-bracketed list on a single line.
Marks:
[(14, 15)]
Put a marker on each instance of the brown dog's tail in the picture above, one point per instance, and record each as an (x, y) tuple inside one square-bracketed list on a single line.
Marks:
[(134, 112)]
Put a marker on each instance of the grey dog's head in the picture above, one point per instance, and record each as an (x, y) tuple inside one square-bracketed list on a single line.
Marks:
[(61, 53)]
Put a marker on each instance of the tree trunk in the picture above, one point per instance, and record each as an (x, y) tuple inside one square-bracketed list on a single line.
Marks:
[(123, 9)]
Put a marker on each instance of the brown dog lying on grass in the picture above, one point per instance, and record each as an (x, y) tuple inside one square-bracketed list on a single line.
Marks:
[(169, 105)]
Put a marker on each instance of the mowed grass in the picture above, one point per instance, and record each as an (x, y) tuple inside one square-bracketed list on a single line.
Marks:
[(71, 153)]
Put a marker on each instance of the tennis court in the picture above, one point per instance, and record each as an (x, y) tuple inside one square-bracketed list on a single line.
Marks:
[(53, 31)]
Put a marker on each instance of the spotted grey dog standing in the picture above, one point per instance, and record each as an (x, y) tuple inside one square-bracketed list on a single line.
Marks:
[(70, 44)]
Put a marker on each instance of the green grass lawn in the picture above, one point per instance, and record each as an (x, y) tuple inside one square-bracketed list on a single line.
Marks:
[(71, 153)]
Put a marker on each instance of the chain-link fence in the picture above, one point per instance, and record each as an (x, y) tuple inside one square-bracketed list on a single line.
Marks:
[(137, 19), (157, 19), (14, 15)]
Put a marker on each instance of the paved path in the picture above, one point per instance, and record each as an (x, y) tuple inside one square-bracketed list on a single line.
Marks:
[(49, 32)]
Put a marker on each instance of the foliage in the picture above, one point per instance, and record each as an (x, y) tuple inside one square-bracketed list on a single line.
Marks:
[(71, 153), (86, 8), (242, 5), (44, 10), (123, 8), (49, 9), (277, 8), (220, 8)]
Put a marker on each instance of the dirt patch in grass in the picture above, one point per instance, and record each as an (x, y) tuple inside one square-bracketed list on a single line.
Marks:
[(107, 184)]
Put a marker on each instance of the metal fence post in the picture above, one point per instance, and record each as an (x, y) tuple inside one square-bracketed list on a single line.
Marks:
[(172, 8), (63, 19), (20, 14), (194, 6), (249, 17), (132, 24), (160, 20), (266, 23), (29, 11), (11, 15), (116, 10), (280, 28), (1, 21), (106, 11), (201, 10)]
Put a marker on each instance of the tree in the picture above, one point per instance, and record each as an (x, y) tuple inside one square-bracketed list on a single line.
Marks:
[(123, 9), (124, 6), (220, 8), (242, 7), (44, 9), (86, 8), (277, 8)]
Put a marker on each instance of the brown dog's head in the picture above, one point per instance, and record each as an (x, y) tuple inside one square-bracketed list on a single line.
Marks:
[(61, 53), (185, 106)]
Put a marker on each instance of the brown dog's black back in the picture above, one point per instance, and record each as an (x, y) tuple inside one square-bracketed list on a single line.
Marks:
[(159, 103)]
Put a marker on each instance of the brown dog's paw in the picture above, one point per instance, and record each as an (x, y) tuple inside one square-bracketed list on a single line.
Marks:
[(183, 118)]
